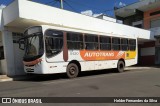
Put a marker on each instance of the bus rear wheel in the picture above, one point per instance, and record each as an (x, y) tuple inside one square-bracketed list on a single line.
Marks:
[(120, 66), (72, 70)]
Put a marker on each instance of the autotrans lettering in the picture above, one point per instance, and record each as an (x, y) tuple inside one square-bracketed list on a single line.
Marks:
[(102, 55), (98, 54)]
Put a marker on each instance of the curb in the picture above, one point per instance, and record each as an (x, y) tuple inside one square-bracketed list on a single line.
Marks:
[(135, 68), (4, 78), (7, 79)]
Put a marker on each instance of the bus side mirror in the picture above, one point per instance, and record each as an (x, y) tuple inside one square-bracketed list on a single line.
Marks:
[(21, 44)]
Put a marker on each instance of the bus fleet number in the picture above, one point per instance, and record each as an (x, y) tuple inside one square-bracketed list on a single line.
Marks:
[(74, 53)]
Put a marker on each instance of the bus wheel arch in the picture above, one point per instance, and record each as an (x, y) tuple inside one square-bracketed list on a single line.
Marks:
[(121, 65), (73, 69)]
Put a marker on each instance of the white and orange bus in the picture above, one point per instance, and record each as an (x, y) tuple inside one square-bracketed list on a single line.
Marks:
[(51, 49)]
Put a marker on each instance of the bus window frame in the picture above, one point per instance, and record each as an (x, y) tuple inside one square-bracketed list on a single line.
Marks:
[(113, 44), (96, 42), (132, 45), (125, 44), (110, 43), (73, 41), (52, 37)]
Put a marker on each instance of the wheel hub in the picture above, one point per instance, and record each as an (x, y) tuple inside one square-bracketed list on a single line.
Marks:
[(72, 70)]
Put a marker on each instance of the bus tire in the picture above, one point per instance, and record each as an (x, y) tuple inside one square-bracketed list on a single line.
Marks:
[(72, 70), (120, 66)]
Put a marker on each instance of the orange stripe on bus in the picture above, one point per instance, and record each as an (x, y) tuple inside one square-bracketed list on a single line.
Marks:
[(102, 55)]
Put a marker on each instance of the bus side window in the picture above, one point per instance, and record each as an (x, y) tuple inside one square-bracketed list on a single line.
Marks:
[(53, 42), (115, 43), (124, 44), (91, 42), (132, 44), (74, 41), (105, 43)]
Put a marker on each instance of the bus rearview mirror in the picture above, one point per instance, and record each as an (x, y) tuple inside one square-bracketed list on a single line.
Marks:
[(21, 44)]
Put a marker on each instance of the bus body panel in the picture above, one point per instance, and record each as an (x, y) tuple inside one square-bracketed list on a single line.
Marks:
[(55, 59), (89, 60), (47, 68)]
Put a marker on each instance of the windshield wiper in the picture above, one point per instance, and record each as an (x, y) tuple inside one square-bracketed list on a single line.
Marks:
[(30, 41)]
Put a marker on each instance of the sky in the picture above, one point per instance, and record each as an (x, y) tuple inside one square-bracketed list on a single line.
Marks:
[(87, 7)]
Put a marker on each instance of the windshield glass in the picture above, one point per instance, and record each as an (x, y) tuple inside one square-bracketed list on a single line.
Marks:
[(33, 44)]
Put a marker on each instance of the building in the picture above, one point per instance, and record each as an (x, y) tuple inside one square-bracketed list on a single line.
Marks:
[(21, 14), (105, 17), (144, 14)]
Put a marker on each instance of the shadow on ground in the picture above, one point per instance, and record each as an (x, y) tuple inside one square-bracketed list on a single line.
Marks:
[(48, 77)]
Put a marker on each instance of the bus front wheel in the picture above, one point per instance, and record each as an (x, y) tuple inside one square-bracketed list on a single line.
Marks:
[(120, 66), (72, 70)]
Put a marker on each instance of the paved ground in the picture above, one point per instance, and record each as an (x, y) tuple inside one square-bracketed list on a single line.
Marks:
[(104, 83)]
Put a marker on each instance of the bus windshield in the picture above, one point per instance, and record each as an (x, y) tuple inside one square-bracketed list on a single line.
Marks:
[(33, 44)]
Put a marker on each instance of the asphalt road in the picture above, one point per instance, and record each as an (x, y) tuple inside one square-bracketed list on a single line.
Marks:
[(104, 83)]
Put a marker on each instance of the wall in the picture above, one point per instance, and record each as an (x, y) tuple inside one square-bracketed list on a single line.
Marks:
[(0, 19), (2, 62), (147, 17), (8, 53), (147, 53), (106, 18), (10, 13), (18, 54), (149, 56)]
